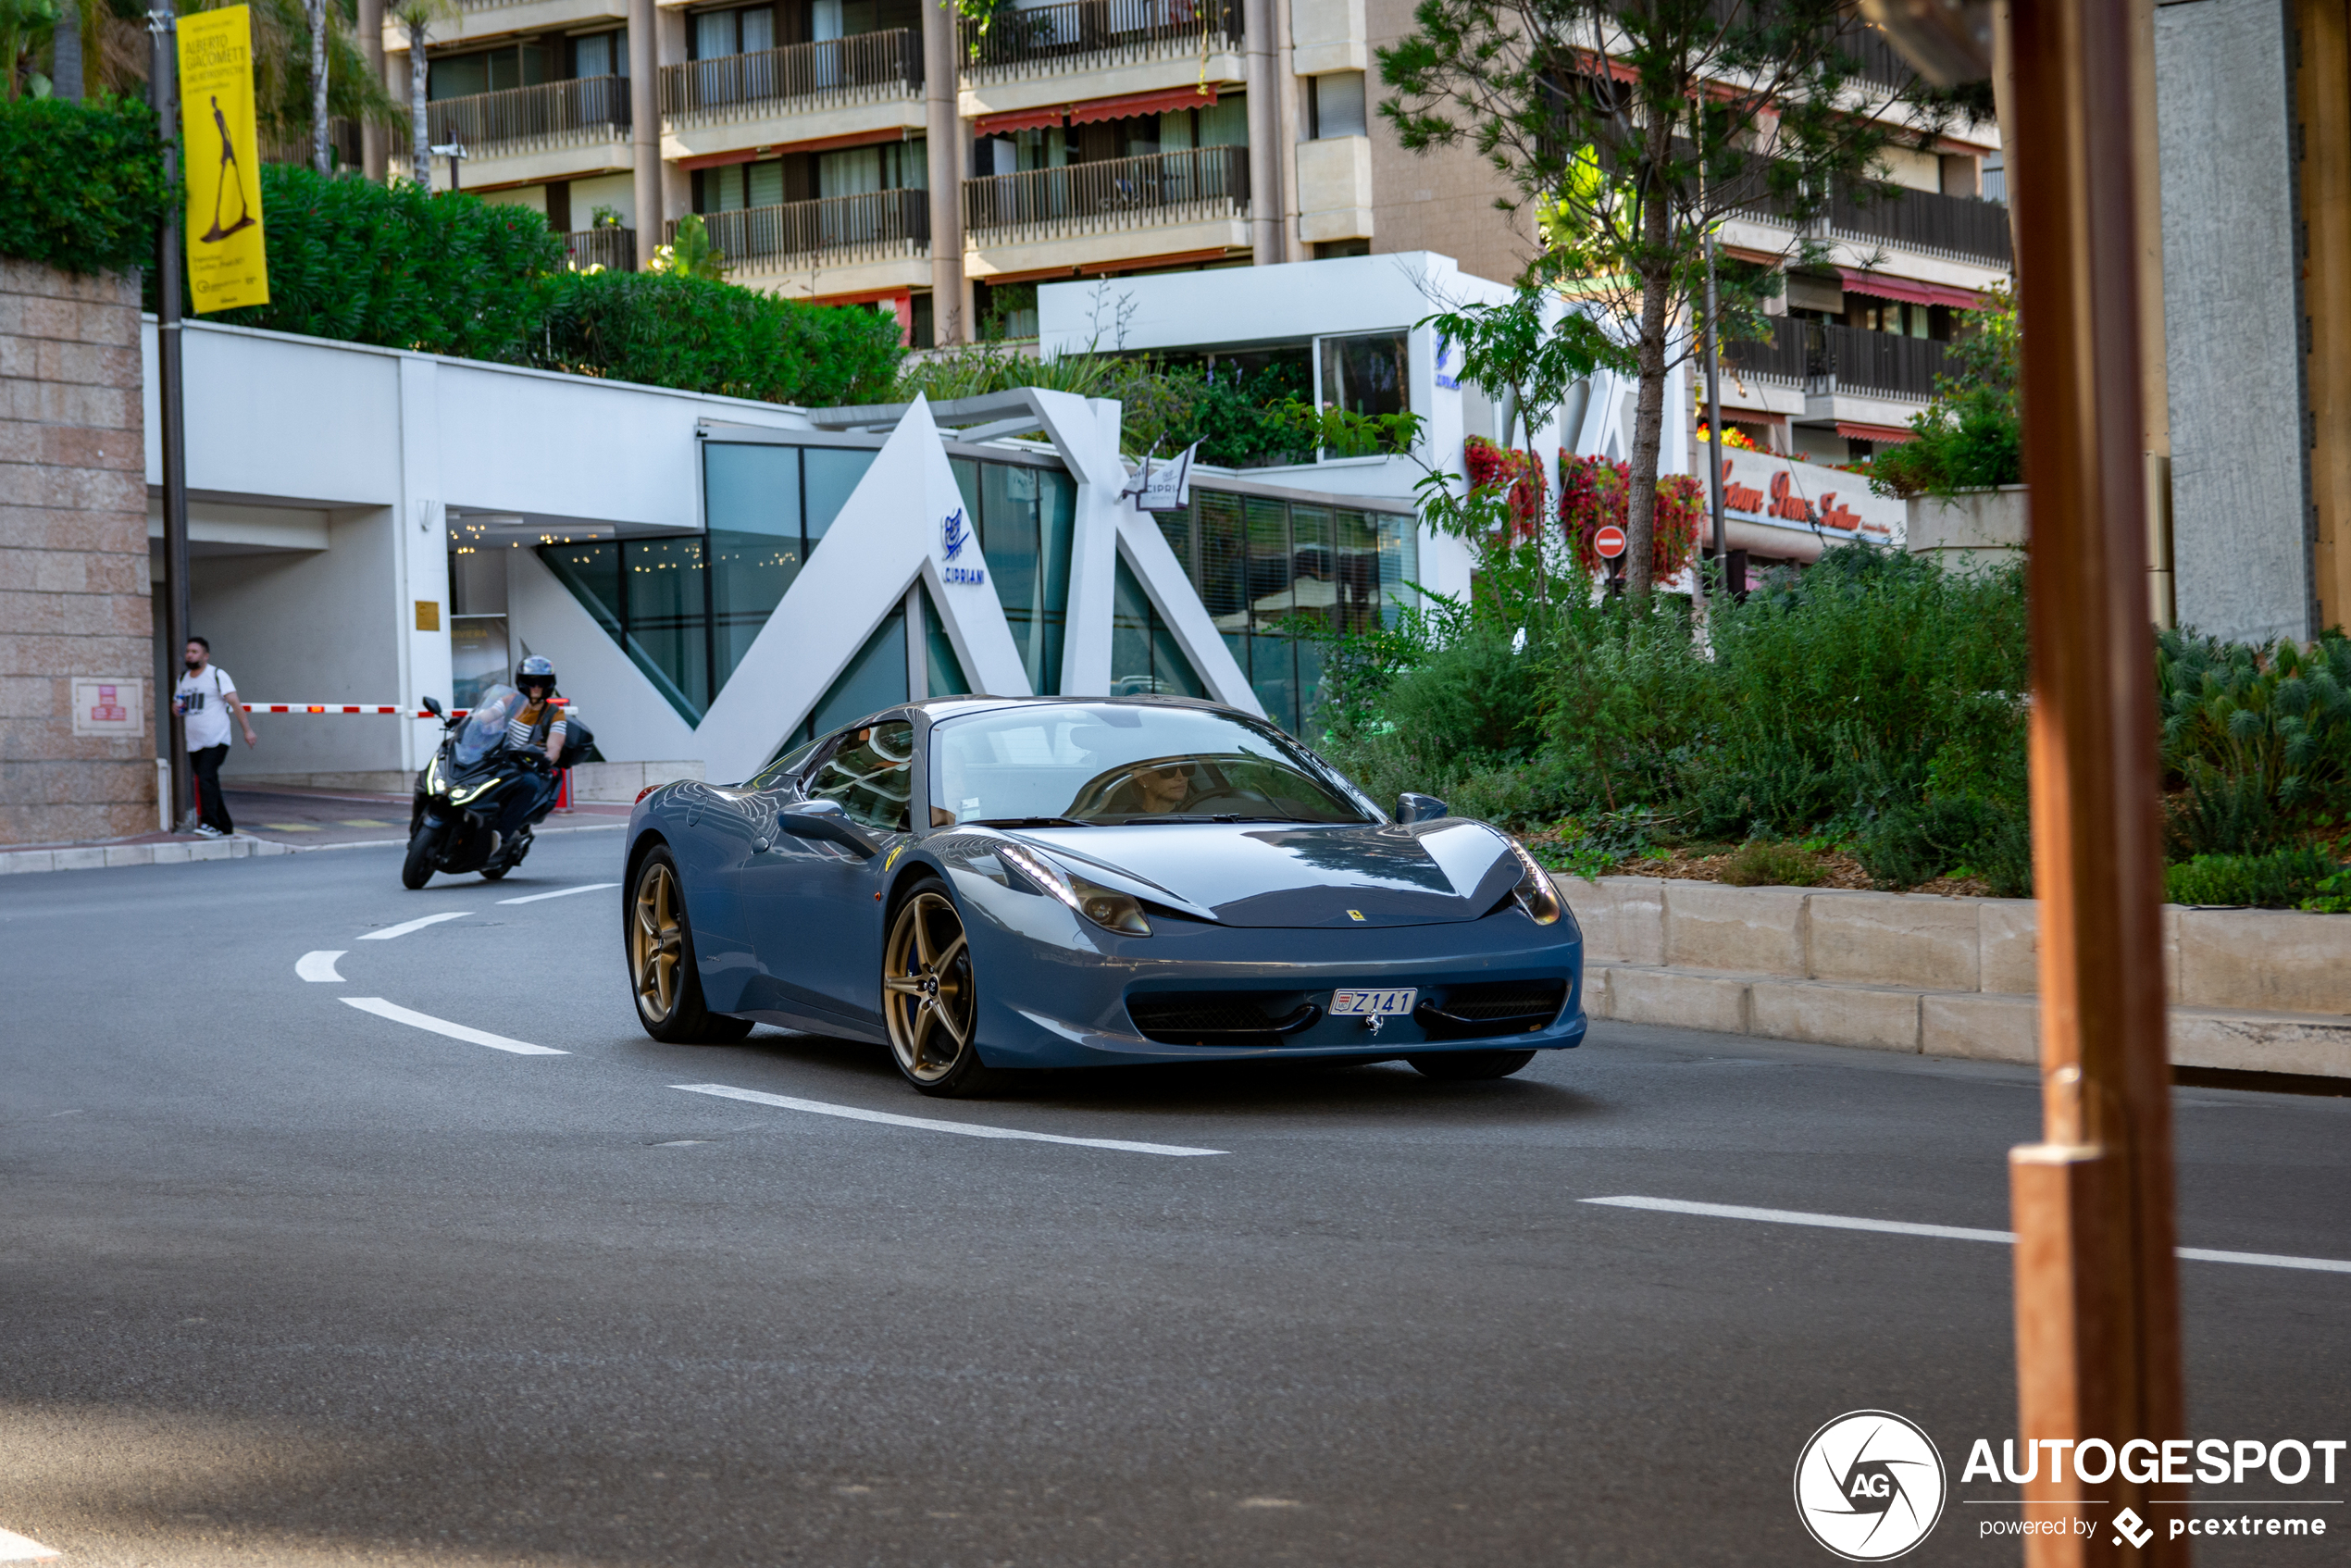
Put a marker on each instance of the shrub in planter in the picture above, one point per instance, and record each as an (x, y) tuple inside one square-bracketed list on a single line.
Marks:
[(82, 185), (1766, 863), (2280, 881)]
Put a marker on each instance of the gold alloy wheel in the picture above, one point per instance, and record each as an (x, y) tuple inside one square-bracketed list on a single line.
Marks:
[(656, 939), (928, 994)]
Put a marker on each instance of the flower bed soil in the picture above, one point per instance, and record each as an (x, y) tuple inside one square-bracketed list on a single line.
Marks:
[(1836, 870)]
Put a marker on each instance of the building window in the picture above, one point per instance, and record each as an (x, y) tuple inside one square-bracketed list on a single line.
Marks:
[(1367, 374), (1334, 106), (1268, 570), (746, 30), (1994, 177), (601, 54), (486, 70), (1027, 517)]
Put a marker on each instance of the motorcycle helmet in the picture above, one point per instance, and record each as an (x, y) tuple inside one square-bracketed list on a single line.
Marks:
[(534, 669)]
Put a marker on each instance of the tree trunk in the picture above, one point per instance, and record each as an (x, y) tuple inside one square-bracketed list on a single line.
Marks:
[(318, 9), (65, 53), (419, 132), (1648, 407)]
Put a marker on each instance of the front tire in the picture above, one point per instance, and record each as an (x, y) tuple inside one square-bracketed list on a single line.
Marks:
[(416, 870), (1465, 1066), (661, 961), (930, 998)]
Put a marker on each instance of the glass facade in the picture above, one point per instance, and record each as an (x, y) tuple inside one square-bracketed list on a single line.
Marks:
[(685, 610), (1268, 569), (1026, 516)]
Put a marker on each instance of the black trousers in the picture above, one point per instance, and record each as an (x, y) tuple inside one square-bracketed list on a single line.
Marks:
[(212, 807)]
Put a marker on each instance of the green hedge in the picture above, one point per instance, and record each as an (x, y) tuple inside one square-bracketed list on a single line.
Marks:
[(82, 185), (453, 274)]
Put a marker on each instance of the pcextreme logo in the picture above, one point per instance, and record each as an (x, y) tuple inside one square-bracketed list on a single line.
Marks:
[(1869, 1486)]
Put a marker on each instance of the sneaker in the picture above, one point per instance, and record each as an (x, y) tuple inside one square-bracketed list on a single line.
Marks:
[(207, 830)]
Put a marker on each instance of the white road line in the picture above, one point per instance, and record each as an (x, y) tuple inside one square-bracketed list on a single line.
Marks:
[(398, 1015), (563, 892), (407, 926), (1947, 1232), (850, 1113), (22, 1548), (319, 965)]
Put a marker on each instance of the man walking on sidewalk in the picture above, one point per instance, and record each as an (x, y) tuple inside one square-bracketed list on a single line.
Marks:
[(205, 698)]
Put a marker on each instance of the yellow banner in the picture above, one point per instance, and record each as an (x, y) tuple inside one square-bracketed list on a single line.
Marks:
[(227, 264)]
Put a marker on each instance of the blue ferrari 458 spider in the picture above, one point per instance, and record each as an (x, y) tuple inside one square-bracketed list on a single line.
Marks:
[(992, 884)]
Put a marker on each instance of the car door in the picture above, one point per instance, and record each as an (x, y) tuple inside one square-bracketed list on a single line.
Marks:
[(815, 921)]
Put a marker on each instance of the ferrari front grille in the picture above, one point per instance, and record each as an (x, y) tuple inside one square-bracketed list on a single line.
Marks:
[(1219, 1017), (1492, 1007)]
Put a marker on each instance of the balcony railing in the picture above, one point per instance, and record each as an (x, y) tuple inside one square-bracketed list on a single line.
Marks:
[(1842, 358), (1085, 34), (520, 118), (872, 227), (1784, 358), (1091, 198), (1965, 227), (613, 249), (871, 65)]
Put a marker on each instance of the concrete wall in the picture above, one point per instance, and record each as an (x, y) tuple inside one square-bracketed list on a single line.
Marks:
[(73, 561), (1980, 532), (2232, 313), (2260, 990)]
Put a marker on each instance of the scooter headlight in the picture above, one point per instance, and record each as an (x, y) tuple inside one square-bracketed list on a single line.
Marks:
[(1535, 892), (1106, 907)]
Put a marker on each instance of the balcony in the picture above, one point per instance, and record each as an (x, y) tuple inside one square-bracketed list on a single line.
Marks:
[(525, 120), (1827, 358), (870, 66), (1202, 185), (1963, 229), (1095, 34), (613, 249), (835, 232)]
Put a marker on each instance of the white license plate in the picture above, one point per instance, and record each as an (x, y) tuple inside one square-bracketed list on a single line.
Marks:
[(1371, 1005)]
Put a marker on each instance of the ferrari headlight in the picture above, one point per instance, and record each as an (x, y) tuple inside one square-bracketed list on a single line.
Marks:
[(1106, 907), (1535, 892)]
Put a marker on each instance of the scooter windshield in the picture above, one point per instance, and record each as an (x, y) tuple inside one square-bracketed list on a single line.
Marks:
[(486, 726)]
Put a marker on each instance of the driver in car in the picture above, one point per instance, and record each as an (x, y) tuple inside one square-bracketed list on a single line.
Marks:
[(1161, 788)]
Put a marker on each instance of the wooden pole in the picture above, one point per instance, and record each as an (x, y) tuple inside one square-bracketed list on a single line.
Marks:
[(2096, 1285)]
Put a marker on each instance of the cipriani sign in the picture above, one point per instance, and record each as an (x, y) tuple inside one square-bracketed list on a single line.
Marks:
[(1758, 487)]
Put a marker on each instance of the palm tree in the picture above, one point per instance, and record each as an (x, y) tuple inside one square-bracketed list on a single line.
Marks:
[(418, 17)]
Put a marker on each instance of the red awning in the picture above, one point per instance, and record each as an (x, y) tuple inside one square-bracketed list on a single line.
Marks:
[(1884, 435), (1023, 119), (1878, 286), (1201, 97)]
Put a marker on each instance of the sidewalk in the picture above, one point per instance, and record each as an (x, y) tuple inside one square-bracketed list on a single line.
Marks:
[(280, 820)]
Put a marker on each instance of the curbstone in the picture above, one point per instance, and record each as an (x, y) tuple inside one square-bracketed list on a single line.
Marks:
[(131, 854), (1980, 1028), (2009, 934), (1639, 995), (1890, 939), (2263, 961), (1755, 930), (1832, 1014), (2261, 1042)]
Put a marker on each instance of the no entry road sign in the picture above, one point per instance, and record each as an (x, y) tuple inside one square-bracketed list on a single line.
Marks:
[(1610, 542)]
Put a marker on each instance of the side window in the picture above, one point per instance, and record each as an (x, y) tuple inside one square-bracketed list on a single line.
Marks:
[(870, 773), (777, 773)]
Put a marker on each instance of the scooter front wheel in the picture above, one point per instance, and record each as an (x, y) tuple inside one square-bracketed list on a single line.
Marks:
[(416, 869)]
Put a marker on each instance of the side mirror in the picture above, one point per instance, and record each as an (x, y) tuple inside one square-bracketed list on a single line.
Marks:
[(1413, 807), (432, 706), (825, 822)]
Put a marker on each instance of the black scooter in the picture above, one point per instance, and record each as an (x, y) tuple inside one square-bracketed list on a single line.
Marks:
[(464, 793)]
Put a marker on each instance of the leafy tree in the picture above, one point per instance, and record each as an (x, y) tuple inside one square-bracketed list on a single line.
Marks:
[(691, 253), (1633, 128), (1971, 437)]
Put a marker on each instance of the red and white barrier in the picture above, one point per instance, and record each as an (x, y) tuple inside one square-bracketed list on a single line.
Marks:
[(394, 708)]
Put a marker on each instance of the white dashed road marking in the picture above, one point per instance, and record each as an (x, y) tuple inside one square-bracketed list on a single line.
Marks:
[(398, 1015), (1947, 1232), (319, 965), (563, 892), (407, 926), (20, 1548), (925, 1124)]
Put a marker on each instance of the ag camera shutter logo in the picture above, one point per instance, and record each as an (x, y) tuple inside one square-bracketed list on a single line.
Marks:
[(1869, 1486)]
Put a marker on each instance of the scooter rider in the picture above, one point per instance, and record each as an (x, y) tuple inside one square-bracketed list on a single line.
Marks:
[(536, 725)]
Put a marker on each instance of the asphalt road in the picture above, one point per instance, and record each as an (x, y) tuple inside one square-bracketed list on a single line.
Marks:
[(290, 1282)]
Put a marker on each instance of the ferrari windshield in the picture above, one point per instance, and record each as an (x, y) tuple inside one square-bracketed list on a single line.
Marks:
[(1107, 762), (486, 726)]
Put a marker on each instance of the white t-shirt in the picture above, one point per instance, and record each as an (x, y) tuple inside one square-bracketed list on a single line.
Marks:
[(207, 714)]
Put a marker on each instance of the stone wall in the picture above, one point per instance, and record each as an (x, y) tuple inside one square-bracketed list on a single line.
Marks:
[(75, 627), (2251, 990)]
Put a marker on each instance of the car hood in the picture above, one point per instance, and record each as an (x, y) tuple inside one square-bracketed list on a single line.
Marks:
[(1286, 875)]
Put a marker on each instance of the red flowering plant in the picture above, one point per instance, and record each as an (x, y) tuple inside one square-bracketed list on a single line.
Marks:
[(1492, 467), (1592, 496)]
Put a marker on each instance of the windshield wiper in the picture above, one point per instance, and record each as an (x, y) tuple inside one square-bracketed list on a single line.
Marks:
[(1208, 817), (1024, 822)]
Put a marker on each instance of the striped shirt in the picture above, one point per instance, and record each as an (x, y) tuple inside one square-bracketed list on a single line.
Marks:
[(526, 719)]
